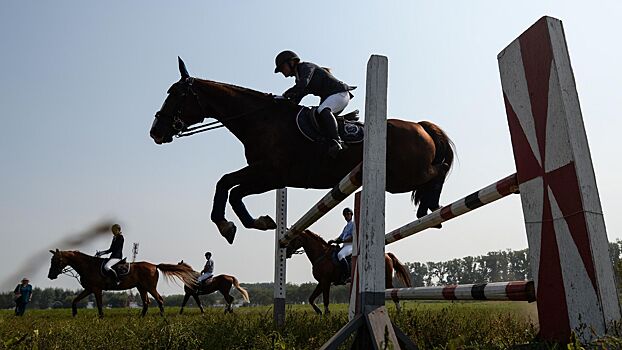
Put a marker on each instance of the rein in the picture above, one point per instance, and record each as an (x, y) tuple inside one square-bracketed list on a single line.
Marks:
[(69, 271)]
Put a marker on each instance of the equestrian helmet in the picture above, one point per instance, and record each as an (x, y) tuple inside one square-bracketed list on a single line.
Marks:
[(284, 56)]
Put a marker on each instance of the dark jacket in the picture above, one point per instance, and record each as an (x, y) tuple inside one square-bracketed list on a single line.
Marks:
[(116, 248), (315, 80)]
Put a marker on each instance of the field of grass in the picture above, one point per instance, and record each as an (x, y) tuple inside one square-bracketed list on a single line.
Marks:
[(433, 325)]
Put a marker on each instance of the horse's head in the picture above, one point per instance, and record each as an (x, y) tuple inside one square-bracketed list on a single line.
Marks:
[(57, 265), (180, 109), (295, 245)]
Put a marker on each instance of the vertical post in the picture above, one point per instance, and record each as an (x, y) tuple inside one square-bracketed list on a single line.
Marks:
[(280, 261), (566, 232), (371, 230)]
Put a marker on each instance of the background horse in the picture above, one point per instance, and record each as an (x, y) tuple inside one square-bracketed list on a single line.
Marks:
[(142, 275), (419, 155), (221, 283), (327, 271)]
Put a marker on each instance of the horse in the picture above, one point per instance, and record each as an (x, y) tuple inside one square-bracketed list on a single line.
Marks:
[(327, 271), (221, 283), (419, 155), (142, 275)]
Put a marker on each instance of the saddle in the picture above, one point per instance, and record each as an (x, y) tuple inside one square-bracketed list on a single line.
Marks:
[(350, 129), (122, 268)]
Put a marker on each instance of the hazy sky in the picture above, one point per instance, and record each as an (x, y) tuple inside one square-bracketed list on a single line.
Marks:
[(80, 84)]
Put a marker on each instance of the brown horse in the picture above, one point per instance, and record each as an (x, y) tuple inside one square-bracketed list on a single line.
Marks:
[(142, 275), (419, 155), (221, 283), (327, 271)]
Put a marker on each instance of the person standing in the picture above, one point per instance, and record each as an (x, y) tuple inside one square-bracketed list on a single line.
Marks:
[(23, 295), (208, 269)]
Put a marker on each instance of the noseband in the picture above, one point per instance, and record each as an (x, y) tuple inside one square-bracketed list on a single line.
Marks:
[(180, 126)]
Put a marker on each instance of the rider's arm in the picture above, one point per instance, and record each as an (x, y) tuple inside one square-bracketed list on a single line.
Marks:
[(305, 73)]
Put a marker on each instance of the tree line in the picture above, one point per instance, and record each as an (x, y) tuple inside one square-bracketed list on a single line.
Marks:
[(496, 266)]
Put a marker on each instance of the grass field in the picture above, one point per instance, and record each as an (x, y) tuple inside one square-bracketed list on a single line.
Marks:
[(432, 325)]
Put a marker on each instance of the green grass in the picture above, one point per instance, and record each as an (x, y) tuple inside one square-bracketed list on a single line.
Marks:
[(432, 325)]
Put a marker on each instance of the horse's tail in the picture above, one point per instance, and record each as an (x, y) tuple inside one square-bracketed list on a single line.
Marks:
[(182, 271), (243, 291), (428, 195), (400, 270)]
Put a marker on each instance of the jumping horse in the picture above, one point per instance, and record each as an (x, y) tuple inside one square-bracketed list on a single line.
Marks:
[(327, 271), (221, 283), (419, 155), (142, 275)]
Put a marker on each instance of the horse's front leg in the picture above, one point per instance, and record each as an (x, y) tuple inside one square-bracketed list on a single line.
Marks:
[(246, 189), (228, 181)]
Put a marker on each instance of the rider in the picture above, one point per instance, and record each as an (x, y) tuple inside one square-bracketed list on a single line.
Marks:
[(346, 249), (208, 269), (313, 79), (115, 250)]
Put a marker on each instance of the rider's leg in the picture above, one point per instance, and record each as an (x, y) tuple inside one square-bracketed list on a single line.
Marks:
[(345, 251), (108, 267), (333, 103)]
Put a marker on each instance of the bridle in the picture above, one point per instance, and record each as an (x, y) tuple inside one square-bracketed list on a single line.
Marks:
[(180, 126)]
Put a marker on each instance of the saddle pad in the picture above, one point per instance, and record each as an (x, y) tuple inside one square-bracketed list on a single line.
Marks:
[(349, 131)]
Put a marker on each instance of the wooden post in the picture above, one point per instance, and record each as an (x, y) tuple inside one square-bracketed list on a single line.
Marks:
[(280, 261), (566, 232), (373, 326)]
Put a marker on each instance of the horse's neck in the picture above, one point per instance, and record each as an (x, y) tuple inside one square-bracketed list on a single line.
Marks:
[(80, 261), (315, 248), (236, 108)]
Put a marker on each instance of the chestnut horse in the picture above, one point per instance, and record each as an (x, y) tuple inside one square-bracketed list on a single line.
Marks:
[(419, 155), (221, 283), (326, 271), (142, 275)]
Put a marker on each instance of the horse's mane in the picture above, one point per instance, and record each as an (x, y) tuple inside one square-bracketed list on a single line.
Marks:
[(238, 89), (315, 236)]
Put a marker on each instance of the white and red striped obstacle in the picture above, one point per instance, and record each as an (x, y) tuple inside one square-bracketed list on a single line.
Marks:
[(486, 195), (502, 291)]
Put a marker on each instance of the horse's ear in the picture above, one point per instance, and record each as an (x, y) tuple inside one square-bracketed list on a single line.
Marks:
[(182, 68), (53, 252), (57, 250)]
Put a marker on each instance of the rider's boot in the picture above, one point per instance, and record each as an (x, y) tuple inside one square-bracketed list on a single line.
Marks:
[(345, 271), (328, 124), (117, 281)]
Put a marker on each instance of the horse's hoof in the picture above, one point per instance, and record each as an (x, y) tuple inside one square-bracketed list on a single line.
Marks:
[(227, 229), (265, 223)]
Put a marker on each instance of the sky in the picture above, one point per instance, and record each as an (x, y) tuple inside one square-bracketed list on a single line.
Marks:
[(80, 83)]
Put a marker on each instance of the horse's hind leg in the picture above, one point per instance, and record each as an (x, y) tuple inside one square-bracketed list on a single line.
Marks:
[(158, 299), (183, 303), (229, 300)]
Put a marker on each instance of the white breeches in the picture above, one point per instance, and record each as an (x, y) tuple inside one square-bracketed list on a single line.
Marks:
[(111, 263), (205, 276), (336, 102), (345, 251)]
